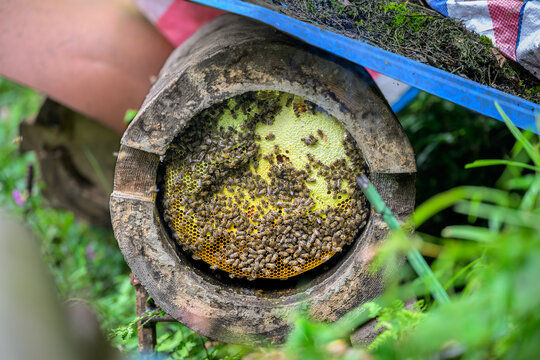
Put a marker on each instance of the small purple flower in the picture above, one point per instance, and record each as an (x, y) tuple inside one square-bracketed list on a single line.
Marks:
[(90, 254), (18, 197)]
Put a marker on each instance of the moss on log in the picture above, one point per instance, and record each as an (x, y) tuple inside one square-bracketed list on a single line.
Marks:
[(410, 29)]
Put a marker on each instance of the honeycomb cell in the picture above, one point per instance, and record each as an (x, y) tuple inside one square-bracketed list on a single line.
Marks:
[(262, 186)]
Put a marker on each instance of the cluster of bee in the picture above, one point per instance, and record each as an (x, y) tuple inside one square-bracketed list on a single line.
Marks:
[(222, 211), (303, 106), (310, 140)]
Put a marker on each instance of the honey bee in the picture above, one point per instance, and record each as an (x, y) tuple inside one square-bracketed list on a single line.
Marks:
[(299, 108), (310, 140), (167, 202), (270, 136), (289, 102), (282, 221)]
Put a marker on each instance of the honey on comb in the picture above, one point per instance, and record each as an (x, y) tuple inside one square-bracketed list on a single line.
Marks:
[(244, 192)]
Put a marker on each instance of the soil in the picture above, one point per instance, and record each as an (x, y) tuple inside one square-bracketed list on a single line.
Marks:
[(411, 29)]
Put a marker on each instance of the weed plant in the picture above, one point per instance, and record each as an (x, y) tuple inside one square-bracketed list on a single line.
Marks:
[(84, 260), (489, 268), (487, 256)]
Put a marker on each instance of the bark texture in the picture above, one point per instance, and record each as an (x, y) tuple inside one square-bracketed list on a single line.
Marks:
[(226, 58)]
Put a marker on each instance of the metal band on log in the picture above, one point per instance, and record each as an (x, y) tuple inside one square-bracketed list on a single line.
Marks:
[(227, 58)]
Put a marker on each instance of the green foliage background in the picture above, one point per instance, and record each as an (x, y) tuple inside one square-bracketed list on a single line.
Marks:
[(84, 260), (482, 241)]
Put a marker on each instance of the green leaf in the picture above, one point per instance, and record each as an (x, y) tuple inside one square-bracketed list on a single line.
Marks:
[(186, 349), (449, 198), (531, 151), (130, 115), (520, 183), (494, 162), (530, 198), (467, 232), (505, 215)]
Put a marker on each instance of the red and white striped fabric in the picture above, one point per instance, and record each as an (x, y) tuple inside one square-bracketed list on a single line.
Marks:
[(512, 25), (177, 20)]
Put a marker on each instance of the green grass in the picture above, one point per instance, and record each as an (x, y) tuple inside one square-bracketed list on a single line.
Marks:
[(84, 260), (486, 237), (489, 266)]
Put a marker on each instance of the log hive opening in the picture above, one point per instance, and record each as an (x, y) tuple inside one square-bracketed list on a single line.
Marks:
[(251, 138), (263, 186)]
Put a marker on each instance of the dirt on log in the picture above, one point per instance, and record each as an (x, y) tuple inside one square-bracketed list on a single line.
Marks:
[(229, 57)]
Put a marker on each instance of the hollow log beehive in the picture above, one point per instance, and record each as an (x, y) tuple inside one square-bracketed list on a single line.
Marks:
[(234, 200)]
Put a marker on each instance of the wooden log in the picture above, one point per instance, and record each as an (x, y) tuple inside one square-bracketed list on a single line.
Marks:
[(226, 58), (76, 160)]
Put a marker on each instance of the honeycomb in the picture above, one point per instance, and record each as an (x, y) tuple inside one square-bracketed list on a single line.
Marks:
[(262, 186)]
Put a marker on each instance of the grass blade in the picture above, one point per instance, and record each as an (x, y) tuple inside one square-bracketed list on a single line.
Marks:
[(416, 260), (468, 232), (531, 151), (95, 165), (495, 162), (506, 215), (449, 198)]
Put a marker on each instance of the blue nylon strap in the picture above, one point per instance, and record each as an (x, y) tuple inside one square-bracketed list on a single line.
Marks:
[(467, 93), (440, 6)]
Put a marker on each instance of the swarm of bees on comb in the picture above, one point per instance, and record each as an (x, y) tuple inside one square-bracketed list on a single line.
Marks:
[(263, 186)]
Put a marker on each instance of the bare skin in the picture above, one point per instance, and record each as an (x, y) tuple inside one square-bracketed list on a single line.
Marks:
[(96, 57)]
